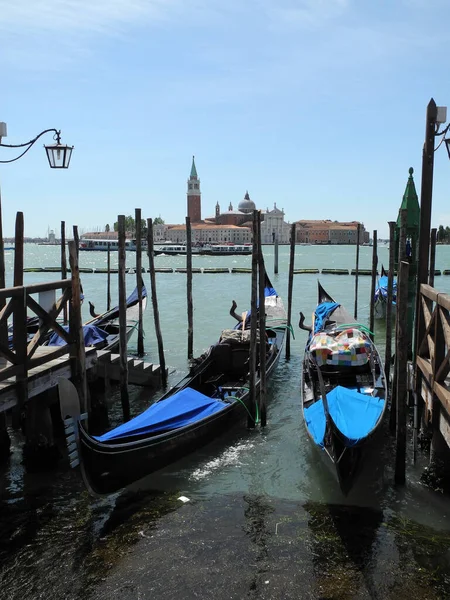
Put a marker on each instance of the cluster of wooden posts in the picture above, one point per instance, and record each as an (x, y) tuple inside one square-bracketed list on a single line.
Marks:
[(419, 364), (29, 370)]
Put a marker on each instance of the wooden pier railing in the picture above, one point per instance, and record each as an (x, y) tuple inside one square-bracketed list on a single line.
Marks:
[(433, 358), (19, 352)]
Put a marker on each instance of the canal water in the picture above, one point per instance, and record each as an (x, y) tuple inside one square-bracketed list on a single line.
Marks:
[(252, 515)]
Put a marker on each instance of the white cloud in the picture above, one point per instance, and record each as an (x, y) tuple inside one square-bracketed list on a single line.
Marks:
[(69, 15)]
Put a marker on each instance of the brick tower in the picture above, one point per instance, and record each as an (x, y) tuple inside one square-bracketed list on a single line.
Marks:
[(194, 199)]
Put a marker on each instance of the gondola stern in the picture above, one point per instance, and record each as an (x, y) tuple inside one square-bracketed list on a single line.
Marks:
[(72, 417)]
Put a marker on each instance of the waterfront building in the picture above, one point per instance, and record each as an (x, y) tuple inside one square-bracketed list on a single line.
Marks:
[(209, 233), (329, 232)]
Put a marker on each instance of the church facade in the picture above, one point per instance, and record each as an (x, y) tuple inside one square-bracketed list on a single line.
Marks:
[(233, 225)]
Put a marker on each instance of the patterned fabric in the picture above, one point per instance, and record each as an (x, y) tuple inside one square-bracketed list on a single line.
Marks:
[(348, 348)]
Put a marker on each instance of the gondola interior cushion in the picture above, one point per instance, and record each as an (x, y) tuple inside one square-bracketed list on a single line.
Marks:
[(354, 414), (348, 348), (182, 408)]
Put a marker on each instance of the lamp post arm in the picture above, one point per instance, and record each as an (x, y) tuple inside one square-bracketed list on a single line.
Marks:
[(28, 145)]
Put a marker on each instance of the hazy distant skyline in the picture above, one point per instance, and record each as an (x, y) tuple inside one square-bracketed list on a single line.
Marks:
[(317, 105)]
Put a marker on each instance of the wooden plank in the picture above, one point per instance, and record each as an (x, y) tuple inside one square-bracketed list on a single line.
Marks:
[(429, 292), (443, 394), (444, 368), (424, 365), (54, 352), (428, 322), (444, 301), (444, 426), (41, 379)]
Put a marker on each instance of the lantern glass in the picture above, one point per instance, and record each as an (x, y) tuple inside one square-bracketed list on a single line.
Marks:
[(59, 156)]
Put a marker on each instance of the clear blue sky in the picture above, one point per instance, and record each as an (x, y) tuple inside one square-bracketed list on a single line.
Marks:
[(317, 105)]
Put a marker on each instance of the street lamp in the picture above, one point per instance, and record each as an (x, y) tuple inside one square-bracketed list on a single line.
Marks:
[(58, 154)]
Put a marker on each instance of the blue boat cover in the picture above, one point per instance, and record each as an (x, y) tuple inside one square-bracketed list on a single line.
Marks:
[(382, 287), (92, 335), (321, 314), (184, 407), (354, 414)]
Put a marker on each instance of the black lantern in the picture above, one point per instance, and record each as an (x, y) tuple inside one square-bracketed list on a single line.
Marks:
[(58, 155)]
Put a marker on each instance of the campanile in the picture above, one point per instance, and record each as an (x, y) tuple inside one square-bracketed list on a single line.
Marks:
[(194, 199)]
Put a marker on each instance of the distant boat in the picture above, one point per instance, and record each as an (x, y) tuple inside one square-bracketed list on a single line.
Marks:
[(9, 248), (95, 245), (206, 250), (381, 295)]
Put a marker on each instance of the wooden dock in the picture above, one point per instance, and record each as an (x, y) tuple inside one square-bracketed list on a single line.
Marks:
[(42, 377), (45, 376)]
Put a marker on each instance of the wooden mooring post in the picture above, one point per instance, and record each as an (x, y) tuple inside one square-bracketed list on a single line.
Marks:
[(4, 324), (19, 327), (124, 393), (262, 329), (76, 239), (252, 415), (358, 231), (5, 442), (78, 358), (190, 310), (401, 361), (374, 280), (63, 264), (159, 339), (401, 257), (290, 290), (108, 278), (432, 257), (275, 253), (388, 347), (137, 220)]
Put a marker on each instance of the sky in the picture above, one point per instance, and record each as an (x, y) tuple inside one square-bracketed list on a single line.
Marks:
[(317, 105)]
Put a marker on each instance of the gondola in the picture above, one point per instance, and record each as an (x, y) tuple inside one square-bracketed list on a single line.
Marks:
[(212, 397), (381, 295), (102, 331), (343, 390)]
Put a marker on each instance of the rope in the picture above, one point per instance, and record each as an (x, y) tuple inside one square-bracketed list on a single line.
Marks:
[(256, 418)]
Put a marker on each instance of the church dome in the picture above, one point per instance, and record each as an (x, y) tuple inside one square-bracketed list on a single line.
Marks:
[(246, 205)]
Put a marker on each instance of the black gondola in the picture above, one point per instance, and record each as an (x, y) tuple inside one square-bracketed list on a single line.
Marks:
[(381, 295), (102, 332), (213, 396), (343, 389)]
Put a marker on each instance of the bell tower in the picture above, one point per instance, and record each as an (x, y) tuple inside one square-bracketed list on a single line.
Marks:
[(194, 200)]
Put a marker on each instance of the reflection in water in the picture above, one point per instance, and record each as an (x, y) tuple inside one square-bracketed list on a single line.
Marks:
[(342, 542), (256, 528)]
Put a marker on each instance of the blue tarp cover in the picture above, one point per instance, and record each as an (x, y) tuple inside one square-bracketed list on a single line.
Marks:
[(92, 335), (321, 314), (184, 407), (382, 287), (353, 413)]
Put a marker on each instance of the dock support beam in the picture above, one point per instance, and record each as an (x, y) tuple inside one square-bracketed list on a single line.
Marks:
[(40, 452), (5, 441)]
